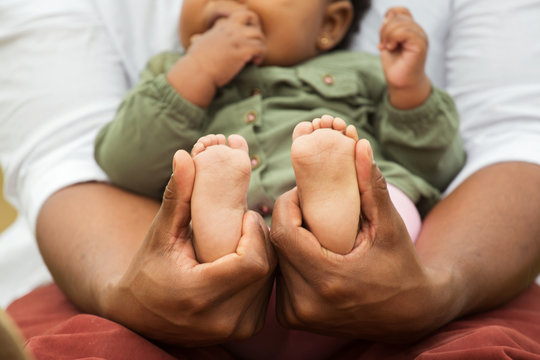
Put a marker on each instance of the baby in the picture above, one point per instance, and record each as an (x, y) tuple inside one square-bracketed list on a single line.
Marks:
[(259, 71)]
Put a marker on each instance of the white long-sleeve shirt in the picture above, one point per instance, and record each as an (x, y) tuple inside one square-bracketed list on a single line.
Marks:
[(65, 65)]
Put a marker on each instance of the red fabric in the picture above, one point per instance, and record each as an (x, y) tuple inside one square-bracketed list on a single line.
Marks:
[(509, 332), (54, 329)]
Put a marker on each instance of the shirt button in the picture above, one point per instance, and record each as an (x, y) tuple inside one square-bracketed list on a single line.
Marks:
[(328, 79), (255, 162), (255, 92), (250, 117)]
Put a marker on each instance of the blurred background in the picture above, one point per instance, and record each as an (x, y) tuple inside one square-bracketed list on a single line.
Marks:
[(7, 213)]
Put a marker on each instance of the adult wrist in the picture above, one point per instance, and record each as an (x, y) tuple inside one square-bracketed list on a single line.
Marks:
[(107, 298), (445, 301)]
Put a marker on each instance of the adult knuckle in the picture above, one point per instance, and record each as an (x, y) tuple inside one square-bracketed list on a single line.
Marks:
[(259, 267), (304, 313), (380, 181), (168, 194), (246, 329), (193, 305), (277, 235), (333, 289), (223, 328)]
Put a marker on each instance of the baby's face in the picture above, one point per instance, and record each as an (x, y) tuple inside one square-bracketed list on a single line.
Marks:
[(291, 27)]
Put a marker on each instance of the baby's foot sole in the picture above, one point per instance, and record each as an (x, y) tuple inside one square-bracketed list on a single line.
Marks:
[(323, 159), (219, 198)]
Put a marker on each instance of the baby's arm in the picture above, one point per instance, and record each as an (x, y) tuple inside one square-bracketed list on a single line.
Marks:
[(403, 46), (151, 124), (417, 126), (425, 140), (215, 57), (164, 112)]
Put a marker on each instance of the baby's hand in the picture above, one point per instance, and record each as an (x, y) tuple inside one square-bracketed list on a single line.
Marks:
[(403, 46), (228, 46)]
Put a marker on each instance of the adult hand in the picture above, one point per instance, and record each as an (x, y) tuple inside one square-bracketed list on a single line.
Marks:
[(378, 291), (167, 295)]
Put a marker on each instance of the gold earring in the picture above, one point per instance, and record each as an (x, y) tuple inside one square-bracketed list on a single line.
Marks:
[(324, 40)]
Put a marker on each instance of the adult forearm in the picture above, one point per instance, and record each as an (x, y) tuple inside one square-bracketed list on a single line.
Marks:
[(114, 254), (484, 236), (88, 234)]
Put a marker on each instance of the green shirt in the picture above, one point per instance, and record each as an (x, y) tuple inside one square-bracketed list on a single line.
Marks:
[(418, 150)]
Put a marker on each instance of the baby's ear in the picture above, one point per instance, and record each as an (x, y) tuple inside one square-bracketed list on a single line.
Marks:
[(337, 20)]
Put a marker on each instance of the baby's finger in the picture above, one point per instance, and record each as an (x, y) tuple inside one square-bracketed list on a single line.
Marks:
[(397, 10), (246, 17), (402, 13), (406, 36), (256, 50), (400, 29), (194, 39), (254, 33)]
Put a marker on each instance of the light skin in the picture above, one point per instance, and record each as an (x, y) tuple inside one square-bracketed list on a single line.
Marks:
[(285, 33), (403, 46), (281, 32), (322, 155), (219, 198), (323, 160), (478, 248), (220, 38)]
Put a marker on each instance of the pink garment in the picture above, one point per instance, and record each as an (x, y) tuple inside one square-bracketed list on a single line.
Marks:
[(408, 211)]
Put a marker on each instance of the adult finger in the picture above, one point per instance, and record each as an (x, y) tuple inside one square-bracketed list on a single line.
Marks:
[(287, 234), (253, 260), (174, 216), (378, 212)]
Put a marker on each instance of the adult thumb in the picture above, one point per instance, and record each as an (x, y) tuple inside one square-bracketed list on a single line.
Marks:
[(378, 211), (175, 212)]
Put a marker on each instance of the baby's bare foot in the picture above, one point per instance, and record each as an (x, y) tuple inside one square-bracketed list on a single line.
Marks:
[(219, 199), (322, 156)]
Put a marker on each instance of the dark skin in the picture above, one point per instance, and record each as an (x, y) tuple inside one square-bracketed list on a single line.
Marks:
[(150, 280), (477, 250)]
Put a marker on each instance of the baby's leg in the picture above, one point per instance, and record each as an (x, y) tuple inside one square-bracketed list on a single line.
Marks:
[(322, 156), (219, 199)]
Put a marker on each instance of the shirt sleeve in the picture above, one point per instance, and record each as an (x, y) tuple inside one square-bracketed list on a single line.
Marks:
[(152, 123), (492, 61), (425, 140), (61, 81)]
